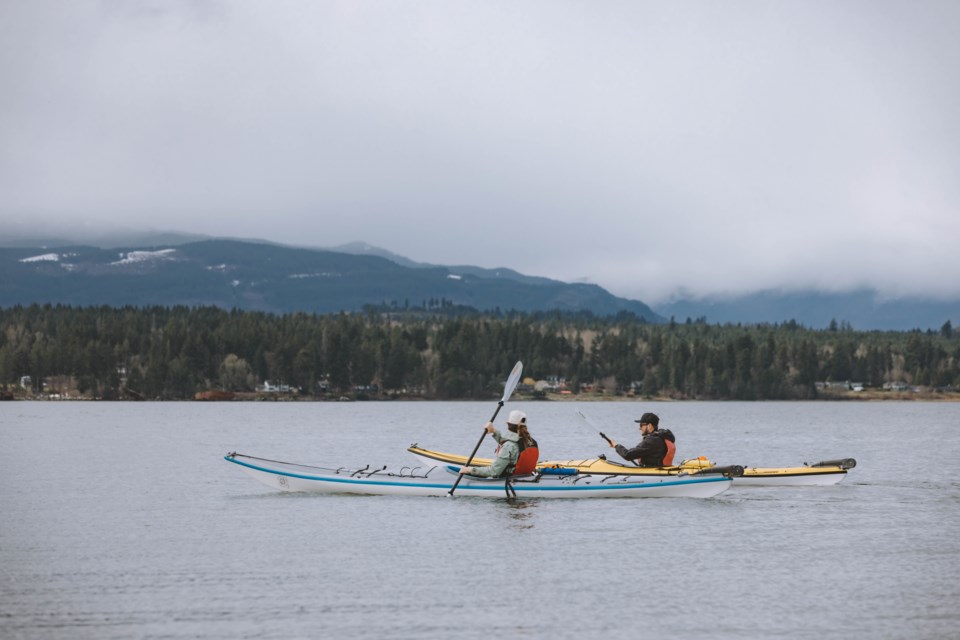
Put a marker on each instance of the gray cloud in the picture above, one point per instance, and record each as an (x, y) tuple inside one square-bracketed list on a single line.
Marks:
[(646, 146)]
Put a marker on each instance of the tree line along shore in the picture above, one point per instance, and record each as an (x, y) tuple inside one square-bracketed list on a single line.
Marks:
[(176, 353)]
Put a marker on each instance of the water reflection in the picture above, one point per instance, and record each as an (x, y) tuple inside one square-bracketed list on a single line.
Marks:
[(518, 512)]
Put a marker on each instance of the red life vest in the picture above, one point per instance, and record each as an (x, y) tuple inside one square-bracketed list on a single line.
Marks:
[(667, 436), (527, 462), (671, 449)]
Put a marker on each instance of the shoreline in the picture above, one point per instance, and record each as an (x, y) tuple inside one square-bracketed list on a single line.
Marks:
[(848, 396)]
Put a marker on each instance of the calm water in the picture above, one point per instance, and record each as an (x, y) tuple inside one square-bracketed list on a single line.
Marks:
[(121, 520)]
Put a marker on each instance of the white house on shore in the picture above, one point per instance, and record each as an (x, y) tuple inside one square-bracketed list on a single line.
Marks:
[(274, 388)]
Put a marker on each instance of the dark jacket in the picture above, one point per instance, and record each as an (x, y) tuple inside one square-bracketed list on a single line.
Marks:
[(650, 451)]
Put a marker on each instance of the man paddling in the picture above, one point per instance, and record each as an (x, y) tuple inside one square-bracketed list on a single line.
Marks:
[(655, 450)]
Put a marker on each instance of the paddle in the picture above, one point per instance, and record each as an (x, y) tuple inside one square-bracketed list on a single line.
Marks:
[(593, 426), (602, 434), (731, 471), (843, 463), (507, 392)]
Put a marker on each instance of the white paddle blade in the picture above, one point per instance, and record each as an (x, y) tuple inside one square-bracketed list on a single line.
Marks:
[(587, 420), (512, 381)]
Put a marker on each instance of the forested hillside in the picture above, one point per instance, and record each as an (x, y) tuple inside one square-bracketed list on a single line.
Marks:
[(173, 352)]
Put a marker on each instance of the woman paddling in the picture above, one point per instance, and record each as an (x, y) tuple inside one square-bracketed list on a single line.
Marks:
[(515, 440)]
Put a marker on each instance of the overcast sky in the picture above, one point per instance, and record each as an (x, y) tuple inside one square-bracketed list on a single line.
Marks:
[(714, 146)]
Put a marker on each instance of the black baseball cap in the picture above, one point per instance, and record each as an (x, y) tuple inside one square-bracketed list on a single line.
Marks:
[(649, 418)]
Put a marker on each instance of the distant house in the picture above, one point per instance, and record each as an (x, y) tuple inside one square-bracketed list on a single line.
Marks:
[(895, 386), (26, 382), (558, 382), (275, 388), (845, 385)]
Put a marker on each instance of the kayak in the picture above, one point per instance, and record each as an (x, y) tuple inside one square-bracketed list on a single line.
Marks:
[(437, 480), (600, 466), (819, 474)]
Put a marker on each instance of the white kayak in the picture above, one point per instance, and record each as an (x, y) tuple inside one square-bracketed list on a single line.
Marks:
[(439, 480)]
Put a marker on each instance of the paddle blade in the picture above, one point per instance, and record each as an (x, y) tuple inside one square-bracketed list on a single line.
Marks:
[(587, 420), (593, 426), (512, 381)]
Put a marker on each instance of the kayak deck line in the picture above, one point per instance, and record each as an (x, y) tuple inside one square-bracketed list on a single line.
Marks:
[(365, 470)]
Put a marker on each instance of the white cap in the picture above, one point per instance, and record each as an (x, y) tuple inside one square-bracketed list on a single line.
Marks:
[(517, 417)]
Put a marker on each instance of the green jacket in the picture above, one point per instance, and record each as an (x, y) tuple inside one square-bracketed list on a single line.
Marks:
[(506, 458)]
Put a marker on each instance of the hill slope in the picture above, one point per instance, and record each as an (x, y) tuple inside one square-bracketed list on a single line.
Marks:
[(280, 279)]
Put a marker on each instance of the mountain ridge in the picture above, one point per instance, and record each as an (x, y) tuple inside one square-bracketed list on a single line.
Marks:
[(362, 248), (276, 278), (864, 308)]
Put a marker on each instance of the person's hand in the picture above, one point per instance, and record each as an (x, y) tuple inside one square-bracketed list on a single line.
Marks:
[(464, 470), (613, 443), (489, 428)]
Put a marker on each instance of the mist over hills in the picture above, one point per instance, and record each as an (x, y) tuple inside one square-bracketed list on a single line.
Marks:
[(169, 267), (29, 233), (864, 309)]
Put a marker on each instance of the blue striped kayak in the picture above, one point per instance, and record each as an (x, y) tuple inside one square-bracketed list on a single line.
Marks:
[(439, 480)]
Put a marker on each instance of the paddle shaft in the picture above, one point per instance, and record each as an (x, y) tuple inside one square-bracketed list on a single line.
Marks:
[(590, 422), (508, 388), (602, 434), (476, 448), (610, 442)]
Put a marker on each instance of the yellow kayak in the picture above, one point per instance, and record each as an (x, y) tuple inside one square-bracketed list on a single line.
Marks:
[(821, 473), (597, 466)]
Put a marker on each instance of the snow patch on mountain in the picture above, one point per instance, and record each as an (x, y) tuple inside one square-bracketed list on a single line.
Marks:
[(47, 257), (144, 256), (322, 274)]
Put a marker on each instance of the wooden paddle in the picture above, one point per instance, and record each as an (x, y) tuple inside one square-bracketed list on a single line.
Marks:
[(507, 392)]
